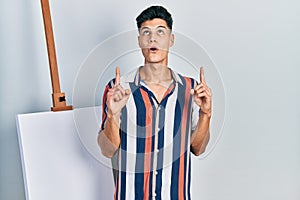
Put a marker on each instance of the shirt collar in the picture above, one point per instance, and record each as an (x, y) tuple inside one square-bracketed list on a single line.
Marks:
[(134, 77)]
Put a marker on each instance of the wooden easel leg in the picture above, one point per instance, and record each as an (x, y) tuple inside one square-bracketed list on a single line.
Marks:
[(59, 101), (58, 98)]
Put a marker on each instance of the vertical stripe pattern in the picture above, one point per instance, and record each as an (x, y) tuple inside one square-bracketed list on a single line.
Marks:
[(154, 155)]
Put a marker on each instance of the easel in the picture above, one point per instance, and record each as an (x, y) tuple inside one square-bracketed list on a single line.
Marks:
[(58, 97)]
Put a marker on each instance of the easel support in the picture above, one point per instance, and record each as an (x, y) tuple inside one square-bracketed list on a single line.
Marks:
[(58, 97)]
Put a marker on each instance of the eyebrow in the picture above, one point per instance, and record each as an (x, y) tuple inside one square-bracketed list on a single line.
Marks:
[(147, 27)]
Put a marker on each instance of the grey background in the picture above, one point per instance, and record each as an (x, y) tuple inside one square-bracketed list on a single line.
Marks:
[(255, 45)]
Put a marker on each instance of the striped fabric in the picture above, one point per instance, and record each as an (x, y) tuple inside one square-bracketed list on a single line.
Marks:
[(154, 155)]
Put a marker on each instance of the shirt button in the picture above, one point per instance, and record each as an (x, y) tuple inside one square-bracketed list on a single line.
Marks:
[(156, 172), (157, 150)]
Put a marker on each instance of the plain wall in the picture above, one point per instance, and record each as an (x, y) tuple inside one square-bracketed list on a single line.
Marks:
[(255, 45)]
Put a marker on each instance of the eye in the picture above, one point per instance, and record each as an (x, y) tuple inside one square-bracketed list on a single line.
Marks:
[(160, 32), (146, 32)]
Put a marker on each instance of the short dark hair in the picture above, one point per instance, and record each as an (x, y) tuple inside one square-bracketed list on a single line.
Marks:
[(155, 12)]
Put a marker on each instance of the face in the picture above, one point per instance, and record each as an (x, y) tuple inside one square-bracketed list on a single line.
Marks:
[(155, 39)]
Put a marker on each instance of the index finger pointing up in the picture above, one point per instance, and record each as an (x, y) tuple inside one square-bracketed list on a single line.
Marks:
[(117, 76), (202, 79)]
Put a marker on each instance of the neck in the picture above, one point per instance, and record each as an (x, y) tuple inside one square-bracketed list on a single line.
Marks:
[(155, 72)]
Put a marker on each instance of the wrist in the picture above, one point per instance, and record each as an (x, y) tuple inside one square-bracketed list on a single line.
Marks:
[(204, 115), (114, 117)]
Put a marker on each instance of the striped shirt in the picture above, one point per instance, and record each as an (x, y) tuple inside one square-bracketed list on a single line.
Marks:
[(154, 156)]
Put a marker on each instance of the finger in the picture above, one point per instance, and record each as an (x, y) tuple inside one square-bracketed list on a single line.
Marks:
[(117, 76), (198, 93), (127, 92), (202, 87), (110, 92), (206, 91), (120, 93), (199, 86), (119, 89), (202, 79), (199, 90), (192, 91), (117, 97), (203, 94)]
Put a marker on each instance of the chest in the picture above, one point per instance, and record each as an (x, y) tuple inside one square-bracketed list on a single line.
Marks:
[(159, 91)]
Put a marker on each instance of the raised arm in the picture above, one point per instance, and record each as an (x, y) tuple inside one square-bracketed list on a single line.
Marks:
[(203, 98), (109, 137)]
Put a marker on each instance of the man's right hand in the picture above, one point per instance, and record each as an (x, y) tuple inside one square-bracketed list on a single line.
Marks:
[(117, 96)]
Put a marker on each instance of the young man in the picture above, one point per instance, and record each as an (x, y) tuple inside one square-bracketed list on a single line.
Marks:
[(154, 117)]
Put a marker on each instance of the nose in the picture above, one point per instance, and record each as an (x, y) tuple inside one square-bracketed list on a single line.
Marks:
[(152, 38)]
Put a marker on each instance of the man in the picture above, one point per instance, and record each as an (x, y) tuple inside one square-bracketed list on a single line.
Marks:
[(154, 117)]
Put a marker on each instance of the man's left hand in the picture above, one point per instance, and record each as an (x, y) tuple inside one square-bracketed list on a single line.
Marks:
[(202, 95)]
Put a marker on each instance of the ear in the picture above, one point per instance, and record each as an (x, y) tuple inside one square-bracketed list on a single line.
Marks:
[(171, 39)]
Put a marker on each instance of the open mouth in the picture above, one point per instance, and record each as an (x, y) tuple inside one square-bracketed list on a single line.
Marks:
[(153, 48)]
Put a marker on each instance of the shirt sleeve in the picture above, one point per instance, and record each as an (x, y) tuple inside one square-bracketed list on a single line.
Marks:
[(104, 104), (195, 110)]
